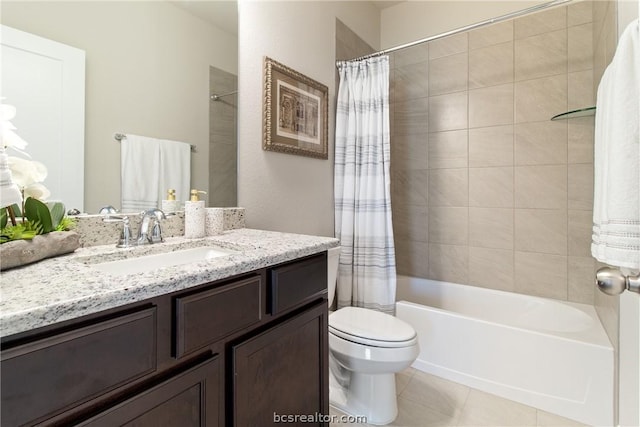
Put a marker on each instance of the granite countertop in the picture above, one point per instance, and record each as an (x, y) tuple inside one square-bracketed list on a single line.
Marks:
[(67, 287)]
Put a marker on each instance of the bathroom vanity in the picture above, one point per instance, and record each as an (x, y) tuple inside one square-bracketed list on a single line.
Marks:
[(234, 340)]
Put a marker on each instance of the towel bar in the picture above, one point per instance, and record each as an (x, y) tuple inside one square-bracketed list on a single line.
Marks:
[(611, 281), (120, 136)]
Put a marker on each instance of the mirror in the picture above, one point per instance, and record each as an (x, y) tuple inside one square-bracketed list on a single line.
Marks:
[(151, 68)]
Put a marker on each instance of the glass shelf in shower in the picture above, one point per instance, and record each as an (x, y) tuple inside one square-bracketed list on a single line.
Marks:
[(581, 112)]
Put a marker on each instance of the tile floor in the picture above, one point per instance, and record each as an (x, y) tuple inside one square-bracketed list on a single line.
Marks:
[(425, 400)]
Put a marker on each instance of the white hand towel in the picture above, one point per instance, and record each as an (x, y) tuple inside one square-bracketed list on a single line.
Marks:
[(140, 169), (150, 167), (175, 167), (616, 209)]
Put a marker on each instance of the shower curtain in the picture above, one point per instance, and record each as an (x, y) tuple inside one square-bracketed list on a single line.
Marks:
[(367, 272)]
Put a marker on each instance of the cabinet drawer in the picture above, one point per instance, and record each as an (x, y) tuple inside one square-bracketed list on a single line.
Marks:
[(86, 362), (297, 282), (206, 317)]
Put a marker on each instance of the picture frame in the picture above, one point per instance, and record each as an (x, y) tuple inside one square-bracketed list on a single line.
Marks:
[(295, 112)]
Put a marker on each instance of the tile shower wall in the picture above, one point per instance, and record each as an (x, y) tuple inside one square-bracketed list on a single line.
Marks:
[(605, 38), (223, 145), (486, 190)]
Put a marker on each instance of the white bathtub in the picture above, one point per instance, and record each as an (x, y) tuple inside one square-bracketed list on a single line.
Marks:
[(549, 354)]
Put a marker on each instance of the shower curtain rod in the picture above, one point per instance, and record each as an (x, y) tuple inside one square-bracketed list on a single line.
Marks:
[(217, 97), (463, 29)]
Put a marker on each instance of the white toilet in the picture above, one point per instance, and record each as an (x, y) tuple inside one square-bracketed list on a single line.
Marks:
[(366, 349)]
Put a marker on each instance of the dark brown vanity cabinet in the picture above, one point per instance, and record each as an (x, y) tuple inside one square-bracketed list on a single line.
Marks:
[(283, 371), (217, 354)]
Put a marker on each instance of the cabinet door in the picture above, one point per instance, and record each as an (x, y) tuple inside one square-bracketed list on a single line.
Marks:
[(189, 399), (283, 371)]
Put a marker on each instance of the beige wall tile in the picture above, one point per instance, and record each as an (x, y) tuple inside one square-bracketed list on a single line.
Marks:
[(541, 230), (579, 12), (541, 22), (491, 106), (540, 99), (348, 44), (541, 187), (491, 268), (581, 280), (580, 90), (580, 132), (541, 274), (448, 149), (411, 116), (490, 66), (411, 81), (411, 55), (581, 186), (469, 124), (412, 258), (580, 228), (450, 45), (447, 112), (449, 226), (491, 34), (448, 74), (580, 47), (491, 228), (448, 187), (539, 143), (491, 146), (410, 187), (409, 151), (491, 187), (449, 263), (410, 222), (540, 56)]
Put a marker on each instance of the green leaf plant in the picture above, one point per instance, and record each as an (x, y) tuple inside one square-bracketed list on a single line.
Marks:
[(37, 218)]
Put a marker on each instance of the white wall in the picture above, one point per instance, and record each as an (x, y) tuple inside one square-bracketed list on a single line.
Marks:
[(284, 192), (415, 20), (147, 72)]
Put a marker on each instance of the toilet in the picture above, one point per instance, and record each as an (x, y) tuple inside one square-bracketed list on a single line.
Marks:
[(366, 349)]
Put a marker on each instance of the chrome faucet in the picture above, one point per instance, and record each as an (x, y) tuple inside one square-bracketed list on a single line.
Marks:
[(148, 233), (126, 239)]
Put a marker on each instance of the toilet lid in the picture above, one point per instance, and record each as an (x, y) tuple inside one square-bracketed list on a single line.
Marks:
[(364, 325)]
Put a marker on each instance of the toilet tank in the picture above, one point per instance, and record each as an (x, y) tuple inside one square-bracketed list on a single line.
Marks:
[(333, 260)]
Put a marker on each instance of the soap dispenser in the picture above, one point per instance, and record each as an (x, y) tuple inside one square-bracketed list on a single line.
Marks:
[(170, 204), (194, 216)]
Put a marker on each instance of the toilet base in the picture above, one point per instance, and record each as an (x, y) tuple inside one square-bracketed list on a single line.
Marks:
[(369, 395)]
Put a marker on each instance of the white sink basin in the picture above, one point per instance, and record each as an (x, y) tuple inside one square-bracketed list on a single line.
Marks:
[(143, 264)]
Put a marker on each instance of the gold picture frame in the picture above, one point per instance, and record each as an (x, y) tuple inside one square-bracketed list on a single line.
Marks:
[(295, 112)]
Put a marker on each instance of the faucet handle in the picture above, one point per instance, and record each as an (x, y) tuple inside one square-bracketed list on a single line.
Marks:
[(125, 235)]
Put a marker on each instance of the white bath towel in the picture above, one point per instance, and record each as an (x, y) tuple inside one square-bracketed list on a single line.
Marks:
[(616, 204), (175, 167), (149, 168)]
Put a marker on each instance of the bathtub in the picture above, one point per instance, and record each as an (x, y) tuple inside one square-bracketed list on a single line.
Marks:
[(549, 354)]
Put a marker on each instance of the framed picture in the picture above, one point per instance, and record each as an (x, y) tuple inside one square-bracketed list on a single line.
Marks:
[(295, 112)]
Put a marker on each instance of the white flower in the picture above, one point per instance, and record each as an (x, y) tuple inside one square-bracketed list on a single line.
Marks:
[(28, 175), (8, 138)]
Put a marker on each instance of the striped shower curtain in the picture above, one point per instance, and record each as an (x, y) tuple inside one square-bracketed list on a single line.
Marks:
[(367, 272)]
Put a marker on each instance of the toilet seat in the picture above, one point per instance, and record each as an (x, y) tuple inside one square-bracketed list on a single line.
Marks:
[(371, 328)]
